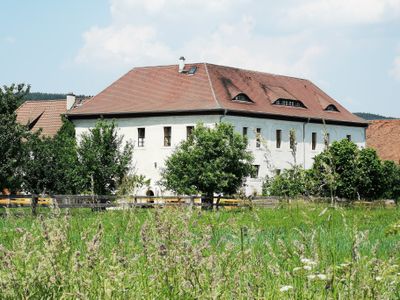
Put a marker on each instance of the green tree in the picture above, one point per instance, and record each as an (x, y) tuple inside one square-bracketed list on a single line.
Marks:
[(212, 160), (390, 180), (289, 183), (67, 171), (369, 171), (335, 170), (105, 160), (38, 164), (11, 135)]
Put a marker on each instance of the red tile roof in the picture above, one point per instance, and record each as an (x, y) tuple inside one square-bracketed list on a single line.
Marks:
[(163, 89), (45, 114), (384, 137)]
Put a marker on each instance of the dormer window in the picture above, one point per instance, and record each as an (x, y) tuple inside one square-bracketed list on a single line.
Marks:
[(331, 107), (242, 98), (289, 102)]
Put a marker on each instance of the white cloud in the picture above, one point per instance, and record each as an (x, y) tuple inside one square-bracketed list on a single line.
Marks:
[(158, 32), (10, 40), (122, 45), (345, 12), (238, 45)]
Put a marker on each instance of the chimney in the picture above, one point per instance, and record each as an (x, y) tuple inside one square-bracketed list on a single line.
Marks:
[(181, 64), (70, 100)]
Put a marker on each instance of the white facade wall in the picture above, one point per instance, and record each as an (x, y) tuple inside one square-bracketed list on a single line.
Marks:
[(149, 160)]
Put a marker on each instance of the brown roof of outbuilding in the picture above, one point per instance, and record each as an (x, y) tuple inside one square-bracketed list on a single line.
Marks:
[(45, 114), (384, 137), (163, 89)]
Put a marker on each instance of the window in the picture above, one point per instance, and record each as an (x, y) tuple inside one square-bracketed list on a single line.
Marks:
[(141, 136), (278, 138), (258, 137), (331, 107), (348, 137), (314, 140), (256, 169), (244, 132), (189, 130), (242, 98), (167, 136), (192, 70), (289, 102)]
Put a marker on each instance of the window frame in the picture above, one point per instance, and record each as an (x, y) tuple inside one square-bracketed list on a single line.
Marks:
[(258, 137), (141, 136), (313, 140), (278, 138), (167, 136)]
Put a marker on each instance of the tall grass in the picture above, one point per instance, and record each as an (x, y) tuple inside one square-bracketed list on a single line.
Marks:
[(303, 252)]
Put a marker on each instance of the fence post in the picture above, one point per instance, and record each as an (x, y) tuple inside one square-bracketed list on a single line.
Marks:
[(34, 202), (191, 201)]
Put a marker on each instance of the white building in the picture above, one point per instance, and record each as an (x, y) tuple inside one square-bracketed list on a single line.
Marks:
[(156, 107)]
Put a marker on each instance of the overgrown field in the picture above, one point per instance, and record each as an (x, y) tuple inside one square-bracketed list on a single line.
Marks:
[(296, 251)]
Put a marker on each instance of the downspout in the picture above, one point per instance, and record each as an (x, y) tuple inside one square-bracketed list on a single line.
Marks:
[(222, 116)]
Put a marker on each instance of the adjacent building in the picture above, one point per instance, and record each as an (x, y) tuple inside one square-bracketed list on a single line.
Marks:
[(46, 115), (157, 107), (384, 137)]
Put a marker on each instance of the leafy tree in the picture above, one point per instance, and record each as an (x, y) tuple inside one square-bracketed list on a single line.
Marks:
[(132, 183), (67, 169), (212, 160), (289, 183), (390, 180), (51, 164), (335, 170), (369, 174), (105, 160), (38, 164), (11, 135)]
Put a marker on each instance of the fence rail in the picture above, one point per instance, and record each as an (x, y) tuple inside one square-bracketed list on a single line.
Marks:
[(103, 202)]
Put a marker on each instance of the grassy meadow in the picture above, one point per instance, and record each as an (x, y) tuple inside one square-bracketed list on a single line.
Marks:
[(295, 251)]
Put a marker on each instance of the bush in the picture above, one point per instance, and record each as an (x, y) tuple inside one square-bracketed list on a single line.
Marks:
[(343, 170), (290, 183)]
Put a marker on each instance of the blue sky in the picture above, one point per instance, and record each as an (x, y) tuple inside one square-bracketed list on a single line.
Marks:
[(350, 48)]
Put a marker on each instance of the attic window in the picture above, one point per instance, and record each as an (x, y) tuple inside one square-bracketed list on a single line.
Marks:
[(192, 70), (242, 98), (289, 102), (331, 107)]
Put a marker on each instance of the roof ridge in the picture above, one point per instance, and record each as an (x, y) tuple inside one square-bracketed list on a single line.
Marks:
[(260, 72), (211, 86)]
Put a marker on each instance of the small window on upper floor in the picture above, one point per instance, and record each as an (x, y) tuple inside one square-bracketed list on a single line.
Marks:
[(167, 136), (189, 130), (244, 132), (242, 98), (331, 107), (313, 140), (141, 137), (258, 137), (278, 138), (289, 102)]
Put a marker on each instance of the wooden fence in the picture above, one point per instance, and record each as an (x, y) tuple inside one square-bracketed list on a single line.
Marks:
[(97, 202)]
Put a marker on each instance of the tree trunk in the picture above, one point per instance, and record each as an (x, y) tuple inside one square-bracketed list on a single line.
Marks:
[(207, 201)]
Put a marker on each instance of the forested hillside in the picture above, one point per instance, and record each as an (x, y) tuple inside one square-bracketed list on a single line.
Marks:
[(48, 96), (369, 116)]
